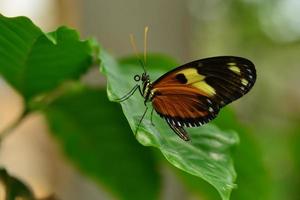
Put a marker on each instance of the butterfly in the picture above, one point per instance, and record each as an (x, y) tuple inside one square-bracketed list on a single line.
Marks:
[(193, 94)]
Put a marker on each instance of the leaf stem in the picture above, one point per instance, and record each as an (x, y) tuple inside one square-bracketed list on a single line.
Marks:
[(12, 126)]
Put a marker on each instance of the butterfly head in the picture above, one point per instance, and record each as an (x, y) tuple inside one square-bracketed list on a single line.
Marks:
[(144, 78)]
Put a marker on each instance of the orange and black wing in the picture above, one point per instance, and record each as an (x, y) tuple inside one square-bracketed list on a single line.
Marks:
[(183, 106), (193, 94)]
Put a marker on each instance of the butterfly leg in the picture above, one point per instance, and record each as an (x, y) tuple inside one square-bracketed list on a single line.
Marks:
[(129, 94), (138, 126), (151, 118)]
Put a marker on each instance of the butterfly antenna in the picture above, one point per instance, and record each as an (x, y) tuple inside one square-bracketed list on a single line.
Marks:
[(145, 43), (132, 40)]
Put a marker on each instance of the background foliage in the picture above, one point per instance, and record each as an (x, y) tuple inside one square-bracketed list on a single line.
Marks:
[(46, 69)]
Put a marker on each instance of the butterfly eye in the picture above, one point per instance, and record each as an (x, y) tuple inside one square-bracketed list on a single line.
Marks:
[(137, 78)]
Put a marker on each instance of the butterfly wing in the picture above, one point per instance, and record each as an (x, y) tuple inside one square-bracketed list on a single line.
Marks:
[(179, 130), (223, 79), (192, 94), (184, 106)]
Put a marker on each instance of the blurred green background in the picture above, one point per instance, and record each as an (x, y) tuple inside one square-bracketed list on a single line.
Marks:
[(267, 32)]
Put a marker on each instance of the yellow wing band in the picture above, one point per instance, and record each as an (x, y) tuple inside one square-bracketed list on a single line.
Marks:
[(197, 80)]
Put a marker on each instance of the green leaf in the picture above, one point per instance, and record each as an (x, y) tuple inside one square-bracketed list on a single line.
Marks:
[(197, 188), (253, 178), (206, 156), (34, 62), (97, 138)]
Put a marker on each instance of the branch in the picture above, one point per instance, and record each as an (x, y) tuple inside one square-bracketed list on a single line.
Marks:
[(12, 126)]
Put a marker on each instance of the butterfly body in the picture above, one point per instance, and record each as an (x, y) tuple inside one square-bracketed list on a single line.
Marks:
[(193, 94)]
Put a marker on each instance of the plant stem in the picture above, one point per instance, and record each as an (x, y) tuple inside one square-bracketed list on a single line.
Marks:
[(12, 126)]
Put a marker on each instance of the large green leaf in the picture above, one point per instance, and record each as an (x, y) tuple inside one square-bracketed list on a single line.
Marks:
[(207, 155), (33, 62), (253, 180), (97, 138)]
